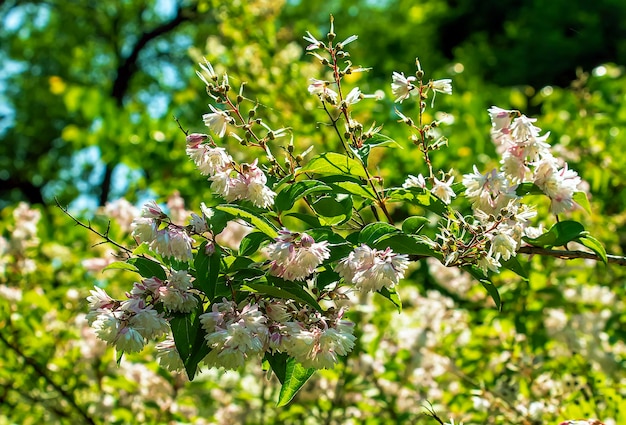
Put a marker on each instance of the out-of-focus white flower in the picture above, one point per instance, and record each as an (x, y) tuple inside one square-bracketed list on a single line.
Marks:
[(443, 190), (217, 121), (295, 256), (207, 71), (401, 86), (370, 270), (123, 212)]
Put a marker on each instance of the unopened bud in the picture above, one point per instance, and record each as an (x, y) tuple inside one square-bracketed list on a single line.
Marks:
[(194, 139), (251, 113), (290, 148), (299, 158), (209, 249), (239, 98), (419, 74)]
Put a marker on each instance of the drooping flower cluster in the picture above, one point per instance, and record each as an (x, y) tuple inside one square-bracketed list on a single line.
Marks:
[(525, 151), (370, 269), (295, 255), (129, 325), (23, 236), (170, 241), (236, 334)]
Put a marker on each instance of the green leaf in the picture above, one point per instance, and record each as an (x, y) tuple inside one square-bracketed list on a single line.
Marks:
[(515, 266), (278, 363), (207, 270), (594, 245), (287, 198), (406, 244), (270, 290), (487, 284), (333, 163), (121, 265), (295, 290), (311, 220), (296, 376), (148, 268), (559, 234), (420, 197), (333, 210), (352, 188), (374, 231), (414, 224), (247, 215), (581, 199), (251, 242), (527, 188), (189, 339), (392, 296)]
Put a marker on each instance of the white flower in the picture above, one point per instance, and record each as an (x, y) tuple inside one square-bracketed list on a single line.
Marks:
[(106, 326), (558, 184), (217, 121), (347, 41), (320, 88), (442, 86), (295, 257), (168, 357), (198, 223), (99, 299), (314, 42), (443, 190), (173, 242), (210, 160), (144, 229), (489, 192), (370, 270), (413, 181), (207, 69), (354, 96), (149, 323), (401, 86), (502, 246), (129, 340), (151, 210)]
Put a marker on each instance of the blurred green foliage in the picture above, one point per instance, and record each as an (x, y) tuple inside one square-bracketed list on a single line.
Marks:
[(79, 76)]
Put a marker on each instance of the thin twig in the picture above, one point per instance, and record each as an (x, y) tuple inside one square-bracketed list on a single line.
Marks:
[(571, 255), (105, 235)]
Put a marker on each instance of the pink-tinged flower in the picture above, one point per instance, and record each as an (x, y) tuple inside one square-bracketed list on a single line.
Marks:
[(401, 86), (123, 212), (217, 121), (173, 242), (234, 336), (558, 184), (151, 210), (100, 299), (129, 340), (443, 190), (194, 139), (295, 256), (106, 326), (314, 43), (413, 181), (321, 89), (149, 323), (501, 118), (210, 160), (370, 270), (249, 184)]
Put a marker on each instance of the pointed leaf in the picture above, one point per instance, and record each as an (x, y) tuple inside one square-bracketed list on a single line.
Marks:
[(594, 245), (254, 218), (189, 339), (148, 268), (296, 376), (392, 296), (295, 290), (516, 266), (559, 234), (251, 242), (333, 163), (581, 199), (333, 210), (414, 224), (207, 270), (278, 363), (121, 265), (487, 284), (287, 197), (420, 197), (405, 244), (374, 231)]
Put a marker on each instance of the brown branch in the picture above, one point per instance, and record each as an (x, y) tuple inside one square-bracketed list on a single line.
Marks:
[(571, 255)]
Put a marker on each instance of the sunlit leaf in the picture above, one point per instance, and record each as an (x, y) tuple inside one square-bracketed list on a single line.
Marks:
[(295, 377), (559, 234), (287, 197), (333, 163), (254, 218)]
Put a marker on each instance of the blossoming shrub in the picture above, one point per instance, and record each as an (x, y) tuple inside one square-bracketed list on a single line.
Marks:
[(323, 229)]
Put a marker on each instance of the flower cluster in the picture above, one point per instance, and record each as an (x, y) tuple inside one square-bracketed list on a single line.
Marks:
[(23, 236), (237, 333), (129, 324), (522, 147), (231, 182), (295, 255), (370, 269)]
